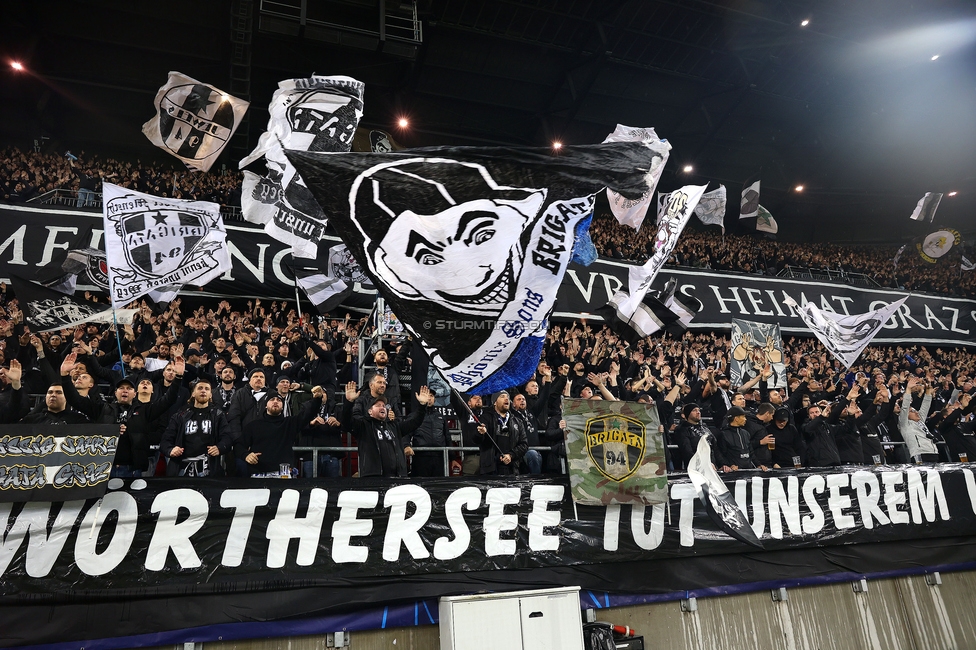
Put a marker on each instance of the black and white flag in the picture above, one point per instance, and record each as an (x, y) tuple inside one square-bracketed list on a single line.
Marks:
[(630, 313), (156, 245), (312, 114), (749, 202), (898, 254), (716, 498), (765, 221), (325, 292), (194, 121), (844, 336), (469, 245), (660, 310), (711, 208), (631, 212), (926, 207), (79, 261), (937, 244), (965, 264), (47, 310), (755, 347)]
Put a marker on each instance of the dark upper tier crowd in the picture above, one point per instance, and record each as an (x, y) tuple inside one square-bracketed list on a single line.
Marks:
[(234, 389)]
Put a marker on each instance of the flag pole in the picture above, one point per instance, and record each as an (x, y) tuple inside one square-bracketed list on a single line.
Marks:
[(118, 339), (475, 418)]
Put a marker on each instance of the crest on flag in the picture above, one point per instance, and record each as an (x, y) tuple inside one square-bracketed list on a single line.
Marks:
[(469, 245), (711, 208), (78, 260), (156, 245), (754, 347), (844, 336), (937, 244), (614, 452), (312, 114), (194, 121), (48, 310)]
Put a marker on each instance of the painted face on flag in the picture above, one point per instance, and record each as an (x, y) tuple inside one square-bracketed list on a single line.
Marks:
[(455, 234)]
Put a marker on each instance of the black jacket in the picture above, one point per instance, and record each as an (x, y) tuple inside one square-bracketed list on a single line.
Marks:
[(818, 434), (735, 446), (175, 433), (273, 437), (499, 439), (374, 436), (687, 436)]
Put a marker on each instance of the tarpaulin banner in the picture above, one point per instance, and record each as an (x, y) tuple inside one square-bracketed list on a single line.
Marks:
[(30, 237), (46, 462), (160, 536)]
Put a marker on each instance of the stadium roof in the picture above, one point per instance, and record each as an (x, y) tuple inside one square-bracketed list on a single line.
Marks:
[(851, 105)]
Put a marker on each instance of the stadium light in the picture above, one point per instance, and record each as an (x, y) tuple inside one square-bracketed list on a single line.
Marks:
[(798, 188), (688, 169), (805, 22), (403, 122), (935, 57), (17, 65), (953, 193), (556, 144)]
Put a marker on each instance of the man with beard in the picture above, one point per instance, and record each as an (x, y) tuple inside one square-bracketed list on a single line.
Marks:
[(269, 439), (469, 429), (532, 458), (227, 387), (196, 436), (391, 373), (382, 441), (503, 439), (788, 441), (690, 430), (55, 410)]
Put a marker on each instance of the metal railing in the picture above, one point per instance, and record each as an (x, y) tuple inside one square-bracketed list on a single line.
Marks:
[(71, 199), (829, 275)]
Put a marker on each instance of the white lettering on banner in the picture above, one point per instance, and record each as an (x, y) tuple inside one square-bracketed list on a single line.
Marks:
[(923, 502), (468, 498), (868, 491), (256, 271), (52, 243), (686, 493), (540, 517), (402, 529), (772, 299), (789, 506), (176, 536), (843, 300), (837, 502), (87, 558), (348, 526), (756, 302), (735, 298), (17, 241), (955, 320), (929, 317), (894, 497), (607, 281), (967, 473), (244, 503), (611, 527), (587, 293), (43, 548), (647, 540), (758, 522), (497, 521), (813, 523)]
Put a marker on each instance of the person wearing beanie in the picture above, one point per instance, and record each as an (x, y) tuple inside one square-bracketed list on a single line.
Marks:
[(690, 430), (789, 442), (502, 438), (269, 439), (382, 442)]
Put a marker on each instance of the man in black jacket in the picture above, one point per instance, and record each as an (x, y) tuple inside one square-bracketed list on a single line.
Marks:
[(269, 439), (196, 436), (735, 442), (468, 421), (503, 439), (818, 434), (689, 432), (382, 441), (788, 442)]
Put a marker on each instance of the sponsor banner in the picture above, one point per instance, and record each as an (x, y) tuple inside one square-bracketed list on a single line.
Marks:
[(46, 462), (30, 237), (166, 536)]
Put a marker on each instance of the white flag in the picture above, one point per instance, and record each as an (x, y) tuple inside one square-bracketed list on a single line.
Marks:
[(926, 207), (194, 121), (680, 205), (313, 114), (765, 221), (845, 336), (714, 495), (711, 208), (749, 203), (631, 212), (156, 245)]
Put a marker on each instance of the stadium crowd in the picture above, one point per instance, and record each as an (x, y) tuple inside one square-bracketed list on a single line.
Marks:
[(26, 174), (233, 389)]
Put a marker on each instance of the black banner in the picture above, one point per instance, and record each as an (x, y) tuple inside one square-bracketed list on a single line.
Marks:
[(260, 271), (159, 537), (46, 462), (923, 319)]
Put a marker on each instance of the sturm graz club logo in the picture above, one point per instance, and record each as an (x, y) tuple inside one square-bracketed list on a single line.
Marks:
[(615, 444), (158, 242), (194, 121)]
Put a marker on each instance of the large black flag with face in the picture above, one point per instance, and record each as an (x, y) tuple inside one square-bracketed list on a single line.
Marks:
[(469, 245)]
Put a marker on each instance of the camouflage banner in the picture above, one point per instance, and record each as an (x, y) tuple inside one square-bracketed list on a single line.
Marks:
[(615, 452)]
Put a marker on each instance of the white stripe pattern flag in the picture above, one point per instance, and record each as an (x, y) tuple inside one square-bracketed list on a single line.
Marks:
[(845, 336), (194, 121), (325, 292), (926, 207), (631, 212), (711, 208), (155, 245), (628, 306)]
